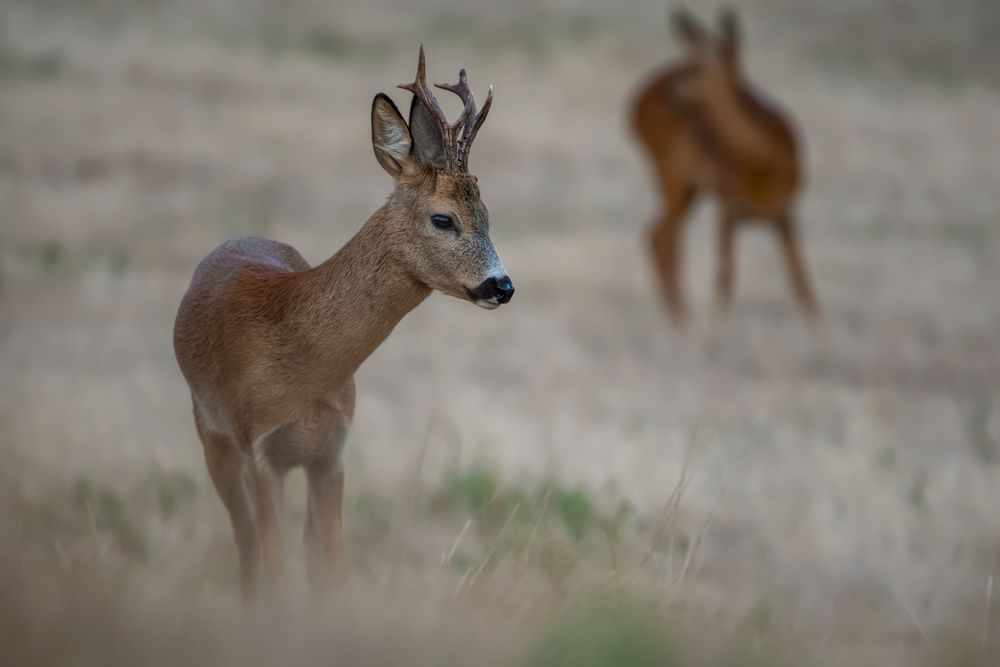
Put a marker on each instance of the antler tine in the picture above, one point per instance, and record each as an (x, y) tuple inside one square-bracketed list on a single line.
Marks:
[(419, 88), (478, 122), (468, 116)]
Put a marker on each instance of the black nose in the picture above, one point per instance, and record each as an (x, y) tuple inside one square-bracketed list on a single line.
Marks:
[(504, 289), (501, 289)]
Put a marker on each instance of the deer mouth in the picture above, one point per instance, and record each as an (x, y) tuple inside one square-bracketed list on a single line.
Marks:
[(486, 304), (489, 303)]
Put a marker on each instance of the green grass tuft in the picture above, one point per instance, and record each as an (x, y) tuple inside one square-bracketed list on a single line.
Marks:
[(171, 489), (41, 65), (606, 636), (470, 491), (574, 508), (109, 516)]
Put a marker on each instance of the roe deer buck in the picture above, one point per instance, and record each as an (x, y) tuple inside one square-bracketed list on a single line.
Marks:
[(269, 346), (706, 129)]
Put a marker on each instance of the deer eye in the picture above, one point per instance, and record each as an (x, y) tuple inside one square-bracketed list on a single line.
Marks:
[(442, 221)]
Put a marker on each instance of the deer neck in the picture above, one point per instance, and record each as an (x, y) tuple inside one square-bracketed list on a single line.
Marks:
[(352, 301), (735, 126)]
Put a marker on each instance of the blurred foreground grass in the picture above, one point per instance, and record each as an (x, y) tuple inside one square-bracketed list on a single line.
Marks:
[(541, 576)]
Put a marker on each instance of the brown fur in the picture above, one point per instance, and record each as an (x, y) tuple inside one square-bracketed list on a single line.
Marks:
[(269, 346), (706, 129)]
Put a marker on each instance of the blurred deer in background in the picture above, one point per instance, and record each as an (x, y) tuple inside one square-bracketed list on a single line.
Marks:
[(706, 129), (269, 346)]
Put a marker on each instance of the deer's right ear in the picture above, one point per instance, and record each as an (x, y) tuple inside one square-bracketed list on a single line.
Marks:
[(688, 28), (729, 33), (390, 136), (428, 142)]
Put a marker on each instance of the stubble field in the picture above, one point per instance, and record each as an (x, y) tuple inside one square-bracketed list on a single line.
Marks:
[(744, 490)]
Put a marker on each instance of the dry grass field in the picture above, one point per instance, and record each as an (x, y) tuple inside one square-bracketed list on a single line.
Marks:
[(567, 480)]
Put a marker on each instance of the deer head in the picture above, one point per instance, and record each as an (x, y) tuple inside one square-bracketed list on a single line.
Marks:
[(438, 227), (714, 58)]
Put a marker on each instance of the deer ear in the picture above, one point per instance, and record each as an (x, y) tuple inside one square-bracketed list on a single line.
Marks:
[(729, 33), (428, 143), (688, 28), (390, 136)]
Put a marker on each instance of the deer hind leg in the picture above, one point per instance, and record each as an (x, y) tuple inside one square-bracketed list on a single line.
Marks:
[(226, 466), (726, 252), (665, 244), (797, 273)]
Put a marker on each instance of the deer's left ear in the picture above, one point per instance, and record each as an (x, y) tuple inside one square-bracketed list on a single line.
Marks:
[(390, 136), (729, 33)]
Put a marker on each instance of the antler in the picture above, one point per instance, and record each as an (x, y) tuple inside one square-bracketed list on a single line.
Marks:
[(469, 121)]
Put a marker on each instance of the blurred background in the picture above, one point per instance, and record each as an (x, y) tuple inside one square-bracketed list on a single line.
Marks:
[(567, 480)]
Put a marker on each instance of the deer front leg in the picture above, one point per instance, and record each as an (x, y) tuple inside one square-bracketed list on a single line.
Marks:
[(325, 475), (324, 525), (226, 465), (724, 282), (797, 273), (266, 489), (665, 244)]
